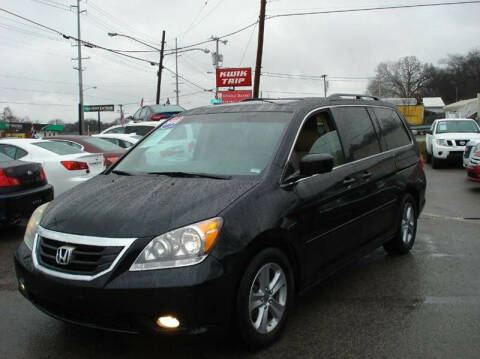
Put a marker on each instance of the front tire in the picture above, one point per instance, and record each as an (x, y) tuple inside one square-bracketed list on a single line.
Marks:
[(428, 157), (406, 228), (265, 297), (435, 162)]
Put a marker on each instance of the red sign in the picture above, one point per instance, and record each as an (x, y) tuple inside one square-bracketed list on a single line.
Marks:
[(234, 77), (234, 96)]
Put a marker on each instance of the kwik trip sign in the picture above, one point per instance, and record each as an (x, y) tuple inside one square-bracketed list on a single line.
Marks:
[(234, 77)]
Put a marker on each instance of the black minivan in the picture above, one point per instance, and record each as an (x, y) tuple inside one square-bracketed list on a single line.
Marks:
[(223, 214)]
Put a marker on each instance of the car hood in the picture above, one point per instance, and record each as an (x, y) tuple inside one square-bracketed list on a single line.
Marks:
[(140, 206), (458, 136)]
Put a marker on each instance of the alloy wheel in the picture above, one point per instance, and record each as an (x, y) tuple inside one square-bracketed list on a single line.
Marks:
[(268, 298)]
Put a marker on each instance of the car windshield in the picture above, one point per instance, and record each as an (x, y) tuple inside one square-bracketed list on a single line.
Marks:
[(59, 148), (457, 126), (139, 129), (102, 144), (226, 144), (166, 108)]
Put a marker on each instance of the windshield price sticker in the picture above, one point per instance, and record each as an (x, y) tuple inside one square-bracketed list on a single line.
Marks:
[(171, 123)]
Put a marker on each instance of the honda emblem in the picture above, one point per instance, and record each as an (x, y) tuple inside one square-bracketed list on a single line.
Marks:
[(64, 255)]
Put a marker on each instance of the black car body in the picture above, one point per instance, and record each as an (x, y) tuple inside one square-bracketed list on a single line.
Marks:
[(303, 215), (23, 187)]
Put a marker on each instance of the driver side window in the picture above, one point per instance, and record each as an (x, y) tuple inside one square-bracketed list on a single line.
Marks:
[(319, 136)]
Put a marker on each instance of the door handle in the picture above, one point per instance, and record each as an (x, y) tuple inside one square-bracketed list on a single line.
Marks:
[(349, 180), (366, 175)]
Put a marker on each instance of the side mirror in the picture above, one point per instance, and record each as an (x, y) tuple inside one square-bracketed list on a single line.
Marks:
[(315, 164)]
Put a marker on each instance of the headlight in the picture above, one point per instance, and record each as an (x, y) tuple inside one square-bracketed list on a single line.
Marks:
[(181, 247), (33, 225), (442, 142)]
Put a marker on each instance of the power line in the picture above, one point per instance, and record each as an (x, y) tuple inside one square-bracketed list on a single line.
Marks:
[(85, 43), (373, 8), (53, 4), (248, 44), (187, 80)]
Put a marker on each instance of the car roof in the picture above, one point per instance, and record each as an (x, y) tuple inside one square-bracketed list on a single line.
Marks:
[(20, 140), (285, 105)]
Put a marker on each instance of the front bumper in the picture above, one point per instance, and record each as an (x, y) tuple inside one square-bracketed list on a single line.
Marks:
[(473, 173), (448, 152), (200, 296), (19, 205)]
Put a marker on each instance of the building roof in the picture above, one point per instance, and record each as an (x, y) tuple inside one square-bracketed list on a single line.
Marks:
[(433, 102), (464, 108)]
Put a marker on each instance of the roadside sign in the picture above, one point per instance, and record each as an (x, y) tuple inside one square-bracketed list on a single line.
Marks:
[(234, 77), (234, 96), (98, 108)]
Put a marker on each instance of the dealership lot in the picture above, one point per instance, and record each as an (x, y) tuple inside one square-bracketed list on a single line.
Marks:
[(425, 304)]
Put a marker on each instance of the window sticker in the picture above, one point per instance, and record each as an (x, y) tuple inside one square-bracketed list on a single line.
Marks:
[(255, 170), (171, 122), (442, 126)]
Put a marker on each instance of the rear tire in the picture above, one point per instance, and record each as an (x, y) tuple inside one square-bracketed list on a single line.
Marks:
[(406, 228), (264, 299)]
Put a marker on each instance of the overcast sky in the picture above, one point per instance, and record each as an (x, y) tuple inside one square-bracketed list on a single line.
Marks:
[(36, 66)]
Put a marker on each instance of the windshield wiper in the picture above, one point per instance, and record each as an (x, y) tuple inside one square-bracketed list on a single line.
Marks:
[(188, 174), (122, 173)]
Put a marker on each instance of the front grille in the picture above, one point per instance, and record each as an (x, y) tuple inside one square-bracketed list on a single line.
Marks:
[(85, 259), (461, 142)]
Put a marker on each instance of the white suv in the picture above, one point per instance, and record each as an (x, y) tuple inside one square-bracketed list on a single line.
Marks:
[(448, 137)]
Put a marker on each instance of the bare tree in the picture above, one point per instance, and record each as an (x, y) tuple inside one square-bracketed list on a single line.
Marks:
[(405, 78)]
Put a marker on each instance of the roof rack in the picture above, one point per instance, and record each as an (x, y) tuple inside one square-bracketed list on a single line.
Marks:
[(267, 99), (339, 96)]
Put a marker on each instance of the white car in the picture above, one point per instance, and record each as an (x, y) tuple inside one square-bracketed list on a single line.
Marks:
[(471, 154), (65, 166), (120, 139), (136, 128), (448, 137)]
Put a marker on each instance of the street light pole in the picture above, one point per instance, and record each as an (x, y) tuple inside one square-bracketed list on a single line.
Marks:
[(160, 67)]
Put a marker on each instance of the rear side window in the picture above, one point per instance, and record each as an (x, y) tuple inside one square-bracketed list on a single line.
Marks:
[(57, 147), (356, 132), (393, 129), (13, 152)]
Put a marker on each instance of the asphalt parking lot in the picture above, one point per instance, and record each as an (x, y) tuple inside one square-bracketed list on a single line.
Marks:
[(422, 305)]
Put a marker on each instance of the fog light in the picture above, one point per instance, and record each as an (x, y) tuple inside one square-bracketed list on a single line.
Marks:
[(168, 322), (22, 286)]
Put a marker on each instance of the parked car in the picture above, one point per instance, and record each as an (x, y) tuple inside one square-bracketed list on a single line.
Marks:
[(134, 128), (448, 137), (156, 112), (471, 160), (119, 139), (110, 151), (275, 196), (23, 187), (471, 149), (65, 166)]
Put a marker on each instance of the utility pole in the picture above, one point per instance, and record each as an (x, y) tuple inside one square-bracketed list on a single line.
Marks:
[(176, 71), (324, 77), (217, 59), (258, 65), (160, 68), (80, 70)]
